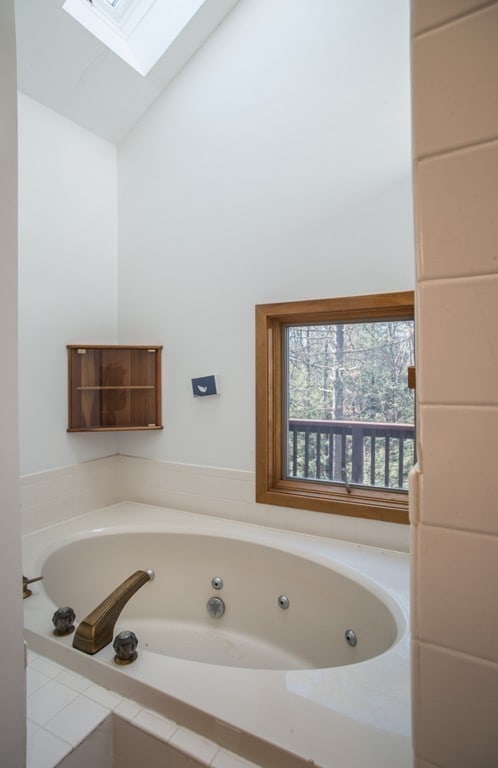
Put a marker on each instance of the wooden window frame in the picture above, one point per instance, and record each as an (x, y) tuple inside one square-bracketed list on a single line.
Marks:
[(271, 485)]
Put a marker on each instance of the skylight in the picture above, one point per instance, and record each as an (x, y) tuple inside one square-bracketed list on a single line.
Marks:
[(139, 31)]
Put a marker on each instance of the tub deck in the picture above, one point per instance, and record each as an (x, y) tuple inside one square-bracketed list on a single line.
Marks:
[(343, 717)]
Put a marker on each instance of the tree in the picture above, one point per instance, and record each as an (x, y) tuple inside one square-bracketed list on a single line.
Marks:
[(354, 372)]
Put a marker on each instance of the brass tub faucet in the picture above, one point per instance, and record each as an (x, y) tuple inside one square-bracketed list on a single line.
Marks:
[(97, 629), (25, 581)]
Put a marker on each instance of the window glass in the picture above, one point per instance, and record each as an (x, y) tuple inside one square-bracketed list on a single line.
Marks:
[(349, 414)]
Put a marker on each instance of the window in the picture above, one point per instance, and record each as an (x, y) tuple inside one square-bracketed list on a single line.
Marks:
[(334, 414)]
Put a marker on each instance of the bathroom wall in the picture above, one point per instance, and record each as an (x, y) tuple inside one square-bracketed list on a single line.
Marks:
[(12, 689), (67, 274), (276, 166), (455, 525)]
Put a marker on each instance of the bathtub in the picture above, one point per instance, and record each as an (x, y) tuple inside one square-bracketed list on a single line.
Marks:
[(308, 665)]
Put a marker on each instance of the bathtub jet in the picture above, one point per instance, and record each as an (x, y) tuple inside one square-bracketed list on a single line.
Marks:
[(97, 629)]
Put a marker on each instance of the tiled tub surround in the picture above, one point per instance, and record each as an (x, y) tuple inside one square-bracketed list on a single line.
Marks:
[(56, 495), (455, 525), (73, 723), (343, 717)]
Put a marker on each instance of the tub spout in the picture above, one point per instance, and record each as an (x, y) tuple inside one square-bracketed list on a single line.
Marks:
[(97, 629)]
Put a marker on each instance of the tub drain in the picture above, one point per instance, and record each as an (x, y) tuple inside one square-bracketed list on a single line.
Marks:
[(216, 607)]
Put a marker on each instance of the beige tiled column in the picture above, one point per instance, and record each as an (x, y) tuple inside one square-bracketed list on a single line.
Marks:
[(455, 525)]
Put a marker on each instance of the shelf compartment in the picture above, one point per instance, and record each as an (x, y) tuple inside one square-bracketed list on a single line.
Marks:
[(114, 388)]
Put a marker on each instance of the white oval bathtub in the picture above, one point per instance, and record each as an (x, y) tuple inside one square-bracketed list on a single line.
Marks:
[(257, 659), (169, 614)]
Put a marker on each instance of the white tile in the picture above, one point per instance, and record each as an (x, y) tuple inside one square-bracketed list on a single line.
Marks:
[(34, 493), (155, 725), (127, 709), (101, 695), (30, 519), (458, 341), (177, 759), (377, 533), (457, 199), (79, 718), (46, 666), (48, 701), (96, 750), (73, 680), (226, 759), (459, 479), (155, 476), (146, 494), (134, 747), (226, 734), (414, 487), (44, 750), (197, 747), (34, 680), (414, 596), (319, 523), (343, 527), (456, 704), (47, 513), (204, 505), (197, 469), (206, 485), (288, 518), (456, 571), (31, 727), (142, 479), (455, 71)]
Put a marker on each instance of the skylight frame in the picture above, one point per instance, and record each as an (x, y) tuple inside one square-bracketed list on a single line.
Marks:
[(114, 11), (139, 31)]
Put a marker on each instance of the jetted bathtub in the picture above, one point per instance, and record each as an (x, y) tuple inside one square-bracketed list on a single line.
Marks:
[(308, 664)]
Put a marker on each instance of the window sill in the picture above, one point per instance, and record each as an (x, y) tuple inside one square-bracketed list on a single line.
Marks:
[(388, 506)]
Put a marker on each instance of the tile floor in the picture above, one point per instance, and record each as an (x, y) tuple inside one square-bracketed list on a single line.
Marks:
[(64, 708)]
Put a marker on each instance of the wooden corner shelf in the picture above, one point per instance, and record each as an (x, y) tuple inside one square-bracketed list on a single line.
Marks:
[(113, 388)]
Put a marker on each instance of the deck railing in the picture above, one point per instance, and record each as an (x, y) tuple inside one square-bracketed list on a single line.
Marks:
[(356, 452)]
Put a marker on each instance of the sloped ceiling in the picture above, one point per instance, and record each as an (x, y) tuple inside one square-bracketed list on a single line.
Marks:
[(65, 68)]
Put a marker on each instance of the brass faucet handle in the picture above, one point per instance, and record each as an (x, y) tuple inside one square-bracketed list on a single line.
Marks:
[(25, 581)]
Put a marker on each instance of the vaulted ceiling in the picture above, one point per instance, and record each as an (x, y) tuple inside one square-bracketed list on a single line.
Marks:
[(62, 65)]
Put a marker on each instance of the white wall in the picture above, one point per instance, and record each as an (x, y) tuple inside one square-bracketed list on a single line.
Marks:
[(68, 275), (276, 166), (12, 688)]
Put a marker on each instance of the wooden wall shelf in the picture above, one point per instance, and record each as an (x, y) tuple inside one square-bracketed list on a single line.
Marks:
[(114, 388)]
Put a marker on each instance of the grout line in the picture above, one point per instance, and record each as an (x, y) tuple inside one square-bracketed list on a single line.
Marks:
[(460, 149), (463, 531), (452, 278), (457, 404), (460, 406), (454, 19), (458, 654), (460, 278)]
